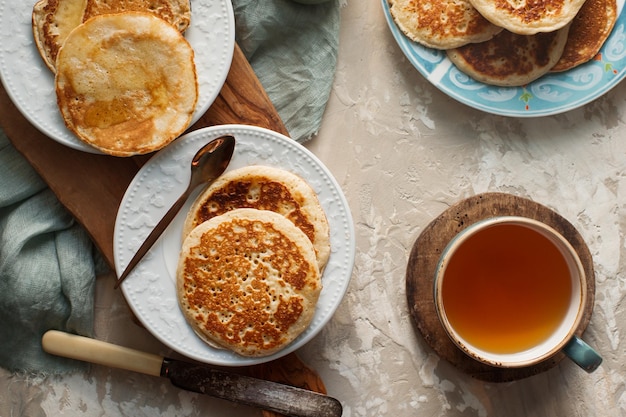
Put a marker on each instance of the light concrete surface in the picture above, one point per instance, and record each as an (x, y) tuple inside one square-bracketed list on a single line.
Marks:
[(403, 152)]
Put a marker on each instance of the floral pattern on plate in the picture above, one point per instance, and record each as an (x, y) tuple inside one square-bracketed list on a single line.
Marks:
[(551, 94)]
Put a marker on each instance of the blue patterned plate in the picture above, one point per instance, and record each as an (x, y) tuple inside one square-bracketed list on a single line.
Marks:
[(551, 94)]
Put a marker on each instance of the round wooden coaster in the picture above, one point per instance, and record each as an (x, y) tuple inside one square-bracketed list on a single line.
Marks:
[(425, 256)]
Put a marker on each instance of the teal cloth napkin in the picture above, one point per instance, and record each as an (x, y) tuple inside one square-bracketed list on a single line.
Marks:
[(48, 264), (292, 49), (47, 268)]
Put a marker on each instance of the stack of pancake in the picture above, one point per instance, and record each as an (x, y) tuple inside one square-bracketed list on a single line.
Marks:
[(509, 43), (255, 243), (125, 76)]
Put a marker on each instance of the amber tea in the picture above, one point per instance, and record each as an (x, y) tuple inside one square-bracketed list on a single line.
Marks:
[(506, 288)]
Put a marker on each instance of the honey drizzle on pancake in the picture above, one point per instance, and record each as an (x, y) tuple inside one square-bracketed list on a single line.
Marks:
[(126, 83)]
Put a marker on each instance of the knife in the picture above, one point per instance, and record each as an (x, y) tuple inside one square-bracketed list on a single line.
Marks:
[(268, 395)]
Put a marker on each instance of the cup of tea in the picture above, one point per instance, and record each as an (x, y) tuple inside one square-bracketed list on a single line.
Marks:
[(511, 291)]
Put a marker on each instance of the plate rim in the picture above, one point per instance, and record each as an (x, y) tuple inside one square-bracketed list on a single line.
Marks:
[(403, 43), (348, 238), (65, 136)]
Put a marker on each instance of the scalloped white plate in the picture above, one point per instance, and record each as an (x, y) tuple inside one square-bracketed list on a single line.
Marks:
[(30, 84), (551, 94), (150, 289)]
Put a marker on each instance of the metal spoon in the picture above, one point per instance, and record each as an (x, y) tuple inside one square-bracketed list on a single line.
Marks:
[(208, 164)]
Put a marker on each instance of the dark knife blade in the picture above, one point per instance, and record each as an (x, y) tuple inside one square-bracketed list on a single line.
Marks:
[(272, 396)]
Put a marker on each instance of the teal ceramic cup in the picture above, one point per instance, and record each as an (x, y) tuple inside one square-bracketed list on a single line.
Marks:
[(511, 292)]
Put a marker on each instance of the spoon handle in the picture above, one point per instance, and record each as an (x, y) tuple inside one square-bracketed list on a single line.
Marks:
[(154, 235)]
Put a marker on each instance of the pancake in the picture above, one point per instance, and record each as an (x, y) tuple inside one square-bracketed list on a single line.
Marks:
[(265, 188), (510, 59), (126, 83), (588, 32), (441, 25), (248, 281), (175, 12), (527, 17), (53, 20)]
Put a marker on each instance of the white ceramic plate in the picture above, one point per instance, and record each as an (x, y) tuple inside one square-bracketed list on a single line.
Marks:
[(150, 288), (30, 84), (551, 94)]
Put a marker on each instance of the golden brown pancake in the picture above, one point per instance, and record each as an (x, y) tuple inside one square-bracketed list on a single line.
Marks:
[(442, 24), (510, 59), (527, 17), (588, 32), (126, 83), (53, 20), (176, 12), (265, 188), (248, 281)]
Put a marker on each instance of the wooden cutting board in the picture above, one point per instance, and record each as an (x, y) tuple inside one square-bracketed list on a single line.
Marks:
[(92, 186)]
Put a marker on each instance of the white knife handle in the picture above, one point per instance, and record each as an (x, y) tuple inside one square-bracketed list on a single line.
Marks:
[(101, 353)]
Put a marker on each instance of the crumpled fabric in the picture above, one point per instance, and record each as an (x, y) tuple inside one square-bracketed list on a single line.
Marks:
[(48, 267), (292, 49)]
